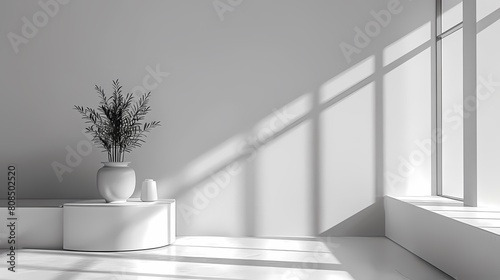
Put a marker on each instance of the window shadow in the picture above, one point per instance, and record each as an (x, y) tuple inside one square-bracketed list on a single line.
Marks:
[(488, 21), (313, 115)]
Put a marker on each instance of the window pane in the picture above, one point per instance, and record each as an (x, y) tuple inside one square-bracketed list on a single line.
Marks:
[(452, 121), (451, 13), (485, 8)]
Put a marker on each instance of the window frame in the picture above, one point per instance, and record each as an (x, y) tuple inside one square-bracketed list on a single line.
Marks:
[(440, 35)]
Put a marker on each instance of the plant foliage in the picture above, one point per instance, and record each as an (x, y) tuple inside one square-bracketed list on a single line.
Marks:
[(117, 125)]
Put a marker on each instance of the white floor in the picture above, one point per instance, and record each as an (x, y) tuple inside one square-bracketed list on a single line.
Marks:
[(221, 258)]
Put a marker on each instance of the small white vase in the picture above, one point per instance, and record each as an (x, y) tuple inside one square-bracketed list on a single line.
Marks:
[(116, 181), (149, 192)]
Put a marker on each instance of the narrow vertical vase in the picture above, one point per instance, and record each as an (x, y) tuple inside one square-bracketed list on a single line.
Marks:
[(116, 181)]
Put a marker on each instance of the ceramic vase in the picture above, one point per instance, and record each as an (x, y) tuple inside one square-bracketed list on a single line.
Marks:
[(149, 192), (116, 181)]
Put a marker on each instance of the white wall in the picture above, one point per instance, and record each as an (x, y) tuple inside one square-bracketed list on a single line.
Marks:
[(408, 127), (228, 80), (408, 89), (488, 70)]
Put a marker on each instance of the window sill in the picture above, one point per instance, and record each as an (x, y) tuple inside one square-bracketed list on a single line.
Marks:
[(487, 219), (463, 242)]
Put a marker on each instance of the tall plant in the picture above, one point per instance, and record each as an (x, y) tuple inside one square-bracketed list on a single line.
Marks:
[(117, 125)]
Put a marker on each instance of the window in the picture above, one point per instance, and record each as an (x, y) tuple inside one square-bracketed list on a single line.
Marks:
[(449, 95)]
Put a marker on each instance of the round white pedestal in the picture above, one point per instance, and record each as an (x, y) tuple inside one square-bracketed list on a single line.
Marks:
[(94, 225)]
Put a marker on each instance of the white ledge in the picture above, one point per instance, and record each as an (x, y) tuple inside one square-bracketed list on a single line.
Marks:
[(38, 202), (484, 218), (41, 222), (464, 242)]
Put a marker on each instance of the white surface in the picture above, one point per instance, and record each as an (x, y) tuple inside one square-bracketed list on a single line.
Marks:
[(98, 226), (36, 227), (407, 119), (431, 227), (486, 8), (222, 258), (39, 223), (37, 203), (488, 70), (275, 163), (342, 163)]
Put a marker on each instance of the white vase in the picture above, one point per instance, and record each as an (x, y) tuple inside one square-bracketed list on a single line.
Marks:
[(149, 192), (116, 181)]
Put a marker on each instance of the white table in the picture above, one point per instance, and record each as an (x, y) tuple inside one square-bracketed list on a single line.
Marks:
[(94, 225)]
